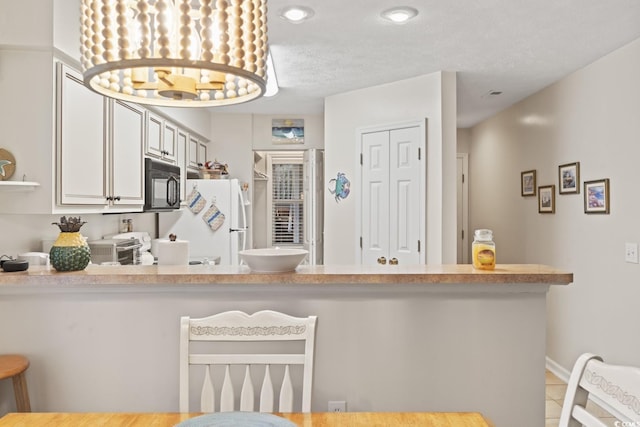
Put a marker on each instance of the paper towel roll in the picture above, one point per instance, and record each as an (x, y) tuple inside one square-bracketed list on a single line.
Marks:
[(173, 253)]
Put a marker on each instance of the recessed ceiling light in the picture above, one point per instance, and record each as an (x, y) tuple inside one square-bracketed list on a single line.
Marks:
[(399, 15), (296, 14)]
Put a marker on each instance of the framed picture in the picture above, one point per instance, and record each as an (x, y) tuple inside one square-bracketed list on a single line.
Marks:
[(547, 199), (569, 178), (528, 183), (596, 196), (287, 131)]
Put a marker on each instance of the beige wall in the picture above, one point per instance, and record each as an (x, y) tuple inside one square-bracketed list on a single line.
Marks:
[(430, 96), (591, 117)]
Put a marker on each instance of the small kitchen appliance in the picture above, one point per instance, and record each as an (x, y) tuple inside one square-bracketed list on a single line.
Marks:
[(161, 187)]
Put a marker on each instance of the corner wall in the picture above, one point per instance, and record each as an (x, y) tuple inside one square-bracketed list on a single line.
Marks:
[(432, 97), (590, 117)]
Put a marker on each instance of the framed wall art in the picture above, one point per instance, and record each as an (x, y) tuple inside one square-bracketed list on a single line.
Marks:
[(596, 196), (569, 178), (287, 131), (528, 183), (547, 199)]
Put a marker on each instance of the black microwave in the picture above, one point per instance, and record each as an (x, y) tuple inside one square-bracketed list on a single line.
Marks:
[(161, 186)]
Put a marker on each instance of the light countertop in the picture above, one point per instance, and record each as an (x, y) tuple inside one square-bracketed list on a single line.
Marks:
[(309, 275)]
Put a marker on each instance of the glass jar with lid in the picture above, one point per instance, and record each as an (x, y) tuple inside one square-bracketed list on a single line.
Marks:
[(484, 250)]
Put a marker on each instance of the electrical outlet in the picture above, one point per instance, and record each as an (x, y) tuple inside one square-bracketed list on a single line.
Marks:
[(631, 252), (337, 406)]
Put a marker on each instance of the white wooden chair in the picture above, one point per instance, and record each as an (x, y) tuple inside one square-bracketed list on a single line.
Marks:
[(236, 327), (617, 386)]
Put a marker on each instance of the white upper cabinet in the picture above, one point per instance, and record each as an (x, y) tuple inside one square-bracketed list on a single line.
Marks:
[(127, 134), (80, 136), (192, 153), (161, 138), (196, 152), (99, 149)]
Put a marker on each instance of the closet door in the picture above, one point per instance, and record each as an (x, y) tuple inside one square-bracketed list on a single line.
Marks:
[(375, 197), (404, 195), (391, 214)]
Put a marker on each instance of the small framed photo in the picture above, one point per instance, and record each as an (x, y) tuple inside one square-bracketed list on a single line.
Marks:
[(528, 183), (596, 196), (547, 199), (569, 178)]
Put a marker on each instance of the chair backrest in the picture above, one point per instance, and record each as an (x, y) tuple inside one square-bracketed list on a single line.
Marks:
[(616, 386), (235, 327)]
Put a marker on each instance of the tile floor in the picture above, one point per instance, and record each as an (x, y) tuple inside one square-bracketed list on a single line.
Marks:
[(555, 389)]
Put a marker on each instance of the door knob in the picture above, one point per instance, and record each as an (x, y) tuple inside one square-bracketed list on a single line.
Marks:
[(382, 260), (393, 261)]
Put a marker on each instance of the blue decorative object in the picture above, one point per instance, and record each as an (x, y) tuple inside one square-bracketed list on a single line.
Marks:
[(341, 186), (244, 419)]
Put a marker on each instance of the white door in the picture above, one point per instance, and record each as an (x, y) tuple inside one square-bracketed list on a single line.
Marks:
[(404, 195), (375, 197), (391, 195), (462, 192)]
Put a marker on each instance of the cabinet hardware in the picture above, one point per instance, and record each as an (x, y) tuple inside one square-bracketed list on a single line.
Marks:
[(393, 261), (382, 260)]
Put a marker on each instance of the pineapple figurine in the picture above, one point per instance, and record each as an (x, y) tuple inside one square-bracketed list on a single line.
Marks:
[(70, 251)]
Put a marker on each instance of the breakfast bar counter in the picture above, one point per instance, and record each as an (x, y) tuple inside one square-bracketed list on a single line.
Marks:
[(435, 338), (309, 275)]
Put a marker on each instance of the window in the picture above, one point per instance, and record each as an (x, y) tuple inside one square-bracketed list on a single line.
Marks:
[(286, 196)]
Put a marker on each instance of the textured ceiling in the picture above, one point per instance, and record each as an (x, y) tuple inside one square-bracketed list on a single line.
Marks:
[(514, 46)]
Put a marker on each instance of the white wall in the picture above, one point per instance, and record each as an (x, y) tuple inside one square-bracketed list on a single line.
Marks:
[(432, 97), (590, 117)]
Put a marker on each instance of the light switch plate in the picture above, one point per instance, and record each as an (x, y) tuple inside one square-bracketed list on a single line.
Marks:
[(631, 252)]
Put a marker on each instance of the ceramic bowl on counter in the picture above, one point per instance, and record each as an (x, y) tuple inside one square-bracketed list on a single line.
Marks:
[(273, 260)]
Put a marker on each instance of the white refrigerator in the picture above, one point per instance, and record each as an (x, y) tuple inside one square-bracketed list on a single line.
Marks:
[(218, 230)]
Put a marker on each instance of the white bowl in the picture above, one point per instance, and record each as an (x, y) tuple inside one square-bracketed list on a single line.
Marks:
[(273, 260)]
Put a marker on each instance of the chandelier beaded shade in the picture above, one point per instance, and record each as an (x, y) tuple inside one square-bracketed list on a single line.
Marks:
[(176, 53)]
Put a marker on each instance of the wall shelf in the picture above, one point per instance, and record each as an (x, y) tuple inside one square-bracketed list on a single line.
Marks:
[(18, 185)]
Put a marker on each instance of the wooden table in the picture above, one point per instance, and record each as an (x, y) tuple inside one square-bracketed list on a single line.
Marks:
[(316, 419)]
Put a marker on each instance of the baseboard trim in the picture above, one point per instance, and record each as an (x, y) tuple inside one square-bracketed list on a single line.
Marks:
[(557, 370)]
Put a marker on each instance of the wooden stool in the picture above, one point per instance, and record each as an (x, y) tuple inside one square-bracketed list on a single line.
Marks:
[(14, 366)]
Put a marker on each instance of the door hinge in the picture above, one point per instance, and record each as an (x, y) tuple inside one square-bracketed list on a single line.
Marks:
[(418, 246), (463, 178), (462, 234), (361, 162), (360, 242), (419, 153)]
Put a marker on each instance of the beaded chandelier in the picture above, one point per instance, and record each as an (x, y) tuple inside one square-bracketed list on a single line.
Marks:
[(175, 53)]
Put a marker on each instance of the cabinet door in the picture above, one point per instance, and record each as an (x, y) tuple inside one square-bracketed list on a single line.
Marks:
[(181, 157), (192, 152), (80, 136), (169, 142), (202, 152), (127, 136), (155, 127)]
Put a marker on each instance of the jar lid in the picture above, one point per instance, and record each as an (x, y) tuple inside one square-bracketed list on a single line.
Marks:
[(483, 234)]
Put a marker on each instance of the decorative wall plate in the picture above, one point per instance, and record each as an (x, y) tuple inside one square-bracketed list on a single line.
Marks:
[(7, 164)]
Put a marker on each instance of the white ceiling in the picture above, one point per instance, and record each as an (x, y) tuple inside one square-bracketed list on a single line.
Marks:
[(514, 46)]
